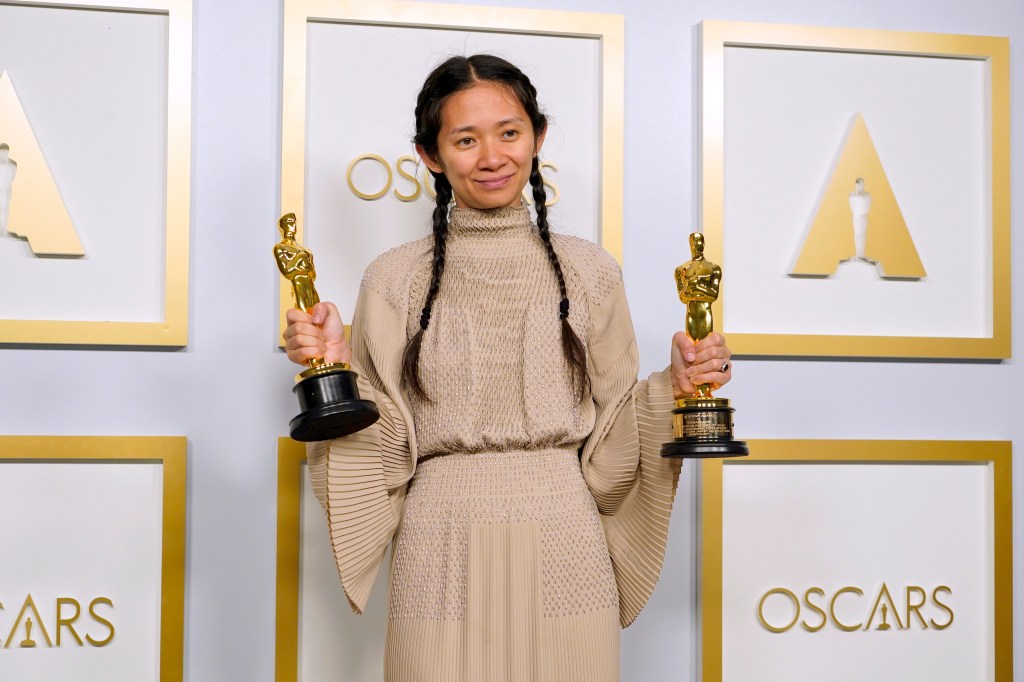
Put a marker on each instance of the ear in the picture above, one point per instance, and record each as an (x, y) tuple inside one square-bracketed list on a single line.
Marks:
[(430, 161), (539, 142)]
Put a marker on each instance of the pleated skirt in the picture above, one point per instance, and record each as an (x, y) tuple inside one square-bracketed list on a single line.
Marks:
[(501, 573)]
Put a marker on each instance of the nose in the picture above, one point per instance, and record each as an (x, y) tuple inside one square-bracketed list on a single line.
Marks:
[(491, 155)]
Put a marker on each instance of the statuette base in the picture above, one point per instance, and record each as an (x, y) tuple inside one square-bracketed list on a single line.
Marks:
[(330, 404), (703, 429), (328, 368)]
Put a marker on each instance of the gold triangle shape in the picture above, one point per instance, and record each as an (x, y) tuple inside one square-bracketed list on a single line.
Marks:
[(29, 603), (35, 210), (831, 238)]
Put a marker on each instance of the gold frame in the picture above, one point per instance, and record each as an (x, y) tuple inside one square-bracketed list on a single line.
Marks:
[(997, 453), (172, 453), (608, 28), (717, 35), (291, 456), (173, 330)]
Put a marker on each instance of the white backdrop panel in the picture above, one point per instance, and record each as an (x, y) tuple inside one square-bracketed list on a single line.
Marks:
[(94, 87), (786, 115), (362, 85), (834, 525), (81, 531)]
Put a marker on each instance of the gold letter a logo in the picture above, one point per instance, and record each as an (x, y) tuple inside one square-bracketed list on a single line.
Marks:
[(30, 204), (858, 217)]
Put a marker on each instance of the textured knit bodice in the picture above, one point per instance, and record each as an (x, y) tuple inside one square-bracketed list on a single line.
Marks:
[(492, 360)]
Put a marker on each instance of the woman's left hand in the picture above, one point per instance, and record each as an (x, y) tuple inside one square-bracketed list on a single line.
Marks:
[(704, 363)]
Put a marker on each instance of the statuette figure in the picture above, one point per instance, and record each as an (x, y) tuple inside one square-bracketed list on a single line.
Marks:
[(698, 281)]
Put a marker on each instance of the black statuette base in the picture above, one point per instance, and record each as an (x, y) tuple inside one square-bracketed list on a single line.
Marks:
[(331, 407), (703, 429)]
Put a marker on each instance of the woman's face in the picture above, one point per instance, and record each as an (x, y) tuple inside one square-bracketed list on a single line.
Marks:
[(485, 147)]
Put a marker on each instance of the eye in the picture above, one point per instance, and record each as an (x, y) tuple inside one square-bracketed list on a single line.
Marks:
[(464, 142), (510, 134)]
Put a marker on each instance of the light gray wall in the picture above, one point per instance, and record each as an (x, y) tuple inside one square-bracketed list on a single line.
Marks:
[(227, 391)]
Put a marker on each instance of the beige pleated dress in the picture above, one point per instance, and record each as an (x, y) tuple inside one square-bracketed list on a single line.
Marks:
[(527, 528)]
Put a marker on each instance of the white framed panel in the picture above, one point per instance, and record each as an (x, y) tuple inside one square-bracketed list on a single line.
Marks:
[(781, 106), (349, 169), (936, 157), (805, 542), (95, 109), (95, 588)]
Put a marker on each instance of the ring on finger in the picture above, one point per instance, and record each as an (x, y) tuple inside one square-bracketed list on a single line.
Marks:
[(725, 366)]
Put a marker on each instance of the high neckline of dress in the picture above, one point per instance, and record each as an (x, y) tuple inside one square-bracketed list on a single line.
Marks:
[(489, 221)]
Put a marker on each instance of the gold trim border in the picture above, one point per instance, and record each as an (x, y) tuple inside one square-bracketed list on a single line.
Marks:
[(291, 456), (608, 28), (172, 453), (717, 35), (996, 453), (173, 330)]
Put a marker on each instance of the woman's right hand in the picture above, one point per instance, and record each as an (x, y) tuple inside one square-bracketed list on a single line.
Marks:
[(320, 335)]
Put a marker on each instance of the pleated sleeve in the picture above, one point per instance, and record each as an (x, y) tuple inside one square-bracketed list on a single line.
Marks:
[(360, 480), (634, 487)]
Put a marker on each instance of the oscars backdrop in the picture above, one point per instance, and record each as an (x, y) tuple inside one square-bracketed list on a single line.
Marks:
[(92, 581), (94, 172)]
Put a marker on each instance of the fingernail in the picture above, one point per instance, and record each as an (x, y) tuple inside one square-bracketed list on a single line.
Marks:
[(690, 357)]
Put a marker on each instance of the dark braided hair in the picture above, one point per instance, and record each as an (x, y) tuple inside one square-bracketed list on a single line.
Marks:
[(454, 75), (411, 356), (572, 347)]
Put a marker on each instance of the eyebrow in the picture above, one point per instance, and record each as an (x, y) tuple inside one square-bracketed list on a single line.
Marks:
[(499, 124)]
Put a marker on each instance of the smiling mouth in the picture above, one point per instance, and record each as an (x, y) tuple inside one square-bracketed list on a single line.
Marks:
[(494, 183)]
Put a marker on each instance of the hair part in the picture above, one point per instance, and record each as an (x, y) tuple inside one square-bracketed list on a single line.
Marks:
[(454, 75)]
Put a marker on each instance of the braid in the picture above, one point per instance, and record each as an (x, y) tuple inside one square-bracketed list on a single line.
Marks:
[(572, 347), (411, 356)]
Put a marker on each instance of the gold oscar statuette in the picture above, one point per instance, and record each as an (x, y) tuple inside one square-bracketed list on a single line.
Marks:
[(28, 642), (702, 423), (327, 391)]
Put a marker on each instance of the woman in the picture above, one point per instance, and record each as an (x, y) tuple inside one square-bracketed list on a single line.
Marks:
[(515, 463)]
